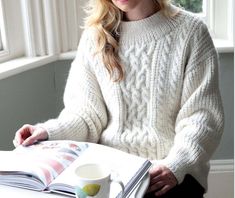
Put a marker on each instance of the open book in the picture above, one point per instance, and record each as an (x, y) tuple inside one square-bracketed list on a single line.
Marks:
[(49, 166)]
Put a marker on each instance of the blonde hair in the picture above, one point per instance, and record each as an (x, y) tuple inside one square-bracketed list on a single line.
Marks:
[(105, 17)]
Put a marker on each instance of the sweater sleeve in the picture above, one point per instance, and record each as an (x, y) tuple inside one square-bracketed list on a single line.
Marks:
[(84, 115), (200, 120)]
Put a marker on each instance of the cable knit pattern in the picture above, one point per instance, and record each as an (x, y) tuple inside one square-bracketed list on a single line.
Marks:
[(167, 109)]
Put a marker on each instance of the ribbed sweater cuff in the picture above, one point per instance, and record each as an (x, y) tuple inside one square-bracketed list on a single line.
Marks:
[(51, 127), (178, 169), (65, 130)]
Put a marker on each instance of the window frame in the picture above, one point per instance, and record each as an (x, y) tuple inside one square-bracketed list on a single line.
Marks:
[(4, 51), (11, 30), (220, 23)]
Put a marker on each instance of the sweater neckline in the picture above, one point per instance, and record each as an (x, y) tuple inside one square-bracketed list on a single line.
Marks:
[(154, 26)]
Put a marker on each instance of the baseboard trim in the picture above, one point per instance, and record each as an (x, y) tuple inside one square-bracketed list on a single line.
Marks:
[(221, 179), (223, 165)]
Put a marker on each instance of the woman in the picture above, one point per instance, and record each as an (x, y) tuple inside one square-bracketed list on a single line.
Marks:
[(145, 80)]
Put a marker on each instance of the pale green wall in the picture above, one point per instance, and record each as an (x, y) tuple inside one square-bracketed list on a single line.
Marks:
[(225, 150), (25, 98), (36, 95)]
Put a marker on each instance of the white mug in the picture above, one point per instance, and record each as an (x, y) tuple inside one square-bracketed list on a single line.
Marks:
[(93, 181)]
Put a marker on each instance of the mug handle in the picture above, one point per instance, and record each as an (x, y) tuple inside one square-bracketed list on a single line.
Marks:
[(115, 180)]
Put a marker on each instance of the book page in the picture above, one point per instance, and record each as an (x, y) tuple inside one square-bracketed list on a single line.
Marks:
[(16, 169), (124, 166), (39, 163)]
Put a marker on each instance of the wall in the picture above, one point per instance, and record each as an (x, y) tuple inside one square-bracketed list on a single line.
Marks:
[(25, 98), (30, 97), (36, 95), (226, 148)]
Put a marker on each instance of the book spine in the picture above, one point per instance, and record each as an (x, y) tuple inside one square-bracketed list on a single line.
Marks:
[(135, 180)]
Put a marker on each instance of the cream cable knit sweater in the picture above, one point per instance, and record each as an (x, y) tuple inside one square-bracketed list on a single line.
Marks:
[(168, 107)]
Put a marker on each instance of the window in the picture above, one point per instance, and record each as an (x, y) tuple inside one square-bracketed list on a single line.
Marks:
[(195, 6), (38, 28), (218, 16), (3, 41), (51, 27), (12, 38), (2, 47)]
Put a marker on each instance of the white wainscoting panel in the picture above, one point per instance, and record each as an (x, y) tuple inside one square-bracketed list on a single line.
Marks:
[(221, 179)]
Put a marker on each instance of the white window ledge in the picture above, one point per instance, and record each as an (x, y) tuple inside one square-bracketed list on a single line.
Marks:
[(224, 46), (67, 56), (22, 64), (19, 65)]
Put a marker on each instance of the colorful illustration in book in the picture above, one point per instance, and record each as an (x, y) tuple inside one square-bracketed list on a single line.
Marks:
[(51, 158)]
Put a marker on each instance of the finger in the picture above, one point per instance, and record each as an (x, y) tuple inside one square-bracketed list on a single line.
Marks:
[(22, 133), (155, 172), (30, 140), (155, 179), (15, 143), (157, 186), (163, 190), (18, 137)]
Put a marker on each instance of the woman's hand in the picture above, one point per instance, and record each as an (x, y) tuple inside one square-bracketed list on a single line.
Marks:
[(29, 134), (161, 180)]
